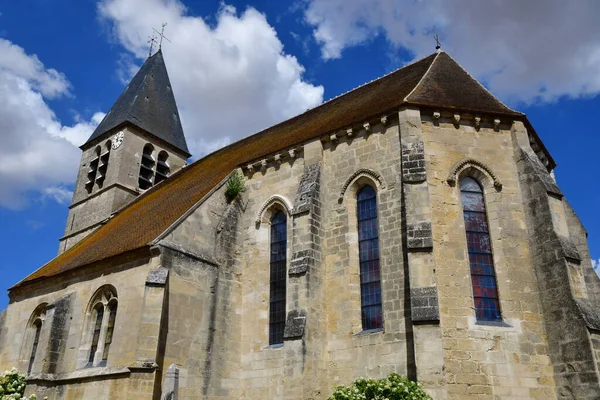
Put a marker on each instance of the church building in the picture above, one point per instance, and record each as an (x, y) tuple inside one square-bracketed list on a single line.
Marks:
[(412, 225)]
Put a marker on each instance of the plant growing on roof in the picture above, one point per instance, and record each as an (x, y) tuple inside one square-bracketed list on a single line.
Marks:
[(234, 186), (12, 386)]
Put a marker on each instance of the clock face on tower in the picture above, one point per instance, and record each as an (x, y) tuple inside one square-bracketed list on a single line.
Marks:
[(118, 140)]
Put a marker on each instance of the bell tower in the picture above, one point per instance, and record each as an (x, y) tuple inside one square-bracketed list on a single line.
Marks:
[(138, 144)]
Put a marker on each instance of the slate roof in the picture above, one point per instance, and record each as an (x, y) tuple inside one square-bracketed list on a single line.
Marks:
[(436, 80), (148, 103)]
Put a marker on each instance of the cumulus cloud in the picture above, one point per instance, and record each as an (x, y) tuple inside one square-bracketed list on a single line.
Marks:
[(231, 77), (525, 51), (37, 151)]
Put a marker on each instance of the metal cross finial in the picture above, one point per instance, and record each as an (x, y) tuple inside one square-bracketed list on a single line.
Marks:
[(151, 42), (438, 46), (162, 35)]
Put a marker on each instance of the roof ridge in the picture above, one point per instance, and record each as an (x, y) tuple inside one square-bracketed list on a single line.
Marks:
[(423, 77), (374, 80)]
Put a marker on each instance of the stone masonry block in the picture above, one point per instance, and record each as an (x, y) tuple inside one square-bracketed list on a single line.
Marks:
[(307, 190), (590, 314), (419, 236), (543, 175), (59, 330), (569, 248), (413, 162), (295, 324), (424, 304), (157, 277), (301, 260)]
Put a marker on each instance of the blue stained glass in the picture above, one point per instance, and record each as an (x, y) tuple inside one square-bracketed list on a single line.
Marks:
[(278, 278), (483, 276), (368, 251)]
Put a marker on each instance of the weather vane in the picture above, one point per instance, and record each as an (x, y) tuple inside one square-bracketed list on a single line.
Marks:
[(162, 35), (151, 42), (438, 46)]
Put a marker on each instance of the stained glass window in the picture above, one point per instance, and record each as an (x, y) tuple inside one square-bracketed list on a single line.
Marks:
[(368, 245), (96, 335), (483, 276), (109, 329), (278, 273), (36, 340)]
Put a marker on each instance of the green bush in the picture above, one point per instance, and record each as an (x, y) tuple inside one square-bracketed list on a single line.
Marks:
[(234, 186), (12, 386), (394, 387)]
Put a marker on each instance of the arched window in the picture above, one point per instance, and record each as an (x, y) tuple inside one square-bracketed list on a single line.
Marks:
[(93, 169), (162, 167), (278, 278), (146, 168), (103, 315), (103, 165), (368, 248), (34, 331), (36, 340), (483, 276)]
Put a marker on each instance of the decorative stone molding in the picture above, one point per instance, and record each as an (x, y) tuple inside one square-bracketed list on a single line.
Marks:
[(496, 124), (292, 153), (456, 118), (275, 199), (384, 120), (349, 132), (471, 162), (294, 325), (361, 172), (367, 127), (437, 115), (477, 121), (333, 138), (424, 304)]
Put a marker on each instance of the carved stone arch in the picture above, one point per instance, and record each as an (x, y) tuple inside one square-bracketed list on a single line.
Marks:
[(38, 313), (274, 200), (371, 175), (475, 168), (104, 294)]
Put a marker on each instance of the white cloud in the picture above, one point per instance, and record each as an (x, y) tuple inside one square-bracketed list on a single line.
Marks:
[(59, 194), (37, 151), (230, 78), (536, 50)]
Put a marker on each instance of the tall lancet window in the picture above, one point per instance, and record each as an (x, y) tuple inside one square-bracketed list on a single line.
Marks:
[(368, 245), (36, 340), (162, 167), (102, 314), (483, 276), (278, 278), (146, 168)]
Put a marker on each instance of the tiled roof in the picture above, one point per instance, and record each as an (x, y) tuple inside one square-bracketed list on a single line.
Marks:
[(138, 224), (148, 103)]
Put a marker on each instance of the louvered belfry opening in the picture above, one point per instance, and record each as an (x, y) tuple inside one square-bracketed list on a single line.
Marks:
[(146, 168), (162, 167)]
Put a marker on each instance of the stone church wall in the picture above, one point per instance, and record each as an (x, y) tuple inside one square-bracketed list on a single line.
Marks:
[(58, 371), (481, 360)]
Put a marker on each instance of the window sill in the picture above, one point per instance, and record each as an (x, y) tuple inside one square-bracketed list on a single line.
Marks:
[(273, 346), (368, 331), (500, 324), (507, 325)]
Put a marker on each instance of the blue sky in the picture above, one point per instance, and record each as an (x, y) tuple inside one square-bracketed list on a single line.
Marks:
[(240, 66)]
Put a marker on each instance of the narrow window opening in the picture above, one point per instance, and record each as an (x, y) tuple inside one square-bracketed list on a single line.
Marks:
[(103, 165), (96, 334), (93, 169), (146, 168), (278, 278), (38, 329), (368, 245), (162, 167), (483, 275), (109, 329)]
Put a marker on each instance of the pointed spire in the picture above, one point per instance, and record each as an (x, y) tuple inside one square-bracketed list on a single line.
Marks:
[(148, 103)]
